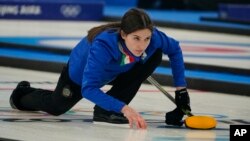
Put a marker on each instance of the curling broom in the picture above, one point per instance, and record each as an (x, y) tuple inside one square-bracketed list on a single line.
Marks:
[(192, 121)]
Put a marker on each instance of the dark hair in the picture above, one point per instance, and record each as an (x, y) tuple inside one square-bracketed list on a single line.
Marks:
[(133, 20)]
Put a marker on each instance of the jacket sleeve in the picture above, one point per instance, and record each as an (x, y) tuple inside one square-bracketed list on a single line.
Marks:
[(93, 78), (172, 48)]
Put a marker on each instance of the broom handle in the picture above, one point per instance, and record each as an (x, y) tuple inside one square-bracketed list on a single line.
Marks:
[(157, 85)]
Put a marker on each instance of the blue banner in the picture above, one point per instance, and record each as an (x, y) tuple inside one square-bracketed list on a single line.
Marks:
[(240, 12), (51, 10)]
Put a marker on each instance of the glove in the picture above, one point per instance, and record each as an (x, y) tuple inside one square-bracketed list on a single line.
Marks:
[(174, 117), (182, 99)]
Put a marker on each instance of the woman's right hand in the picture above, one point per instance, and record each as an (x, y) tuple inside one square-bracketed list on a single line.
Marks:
[(134, 118)]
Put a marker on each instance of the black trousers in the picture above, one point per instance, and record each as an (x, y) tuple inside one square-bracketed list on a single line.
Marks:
[(67, 93)]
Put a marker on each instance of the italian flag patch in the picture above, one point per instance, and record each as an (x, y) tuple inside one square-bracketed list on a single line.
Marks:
[(126, 59)]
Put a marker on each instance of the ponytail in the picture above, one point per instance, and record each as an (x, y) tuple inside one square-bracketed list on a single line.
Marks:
[(93, 32)]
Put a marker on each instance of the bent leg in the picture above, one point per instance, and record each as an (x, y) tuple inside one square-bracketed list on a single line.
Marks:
[(126, 85), (57, 102)]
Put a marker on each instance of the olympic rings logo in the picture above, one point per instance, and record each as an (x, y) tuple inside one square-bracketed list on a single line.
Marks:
[(70, 10)]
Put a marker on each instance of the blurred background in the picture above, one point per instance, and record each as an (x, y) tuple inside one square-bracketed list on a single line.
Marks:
[(192, 14)]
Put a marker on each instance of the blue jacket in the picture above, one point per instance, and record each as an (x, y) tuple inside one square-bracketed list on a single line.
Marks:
[(93, 65)]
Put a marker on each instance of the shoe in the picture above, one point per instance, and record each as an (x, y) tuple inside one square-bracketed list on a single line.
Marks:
[(17, 93), (117, 120), (110, 118), (174, 117)]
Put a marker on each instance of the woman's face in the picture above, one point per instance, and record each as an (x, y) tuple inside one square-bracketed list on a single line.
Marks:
[(138, 41)]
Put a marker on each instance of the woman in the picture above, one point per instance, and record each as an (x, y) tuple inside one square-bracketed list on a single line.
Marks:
[(120, 54)]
